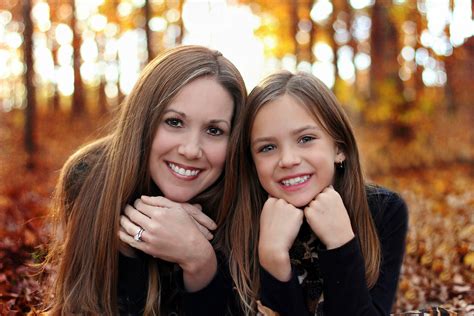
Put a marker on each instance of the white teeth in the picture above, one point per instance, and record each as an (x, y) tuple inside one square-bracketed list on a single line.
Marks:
[(294, 181), (182, 171)]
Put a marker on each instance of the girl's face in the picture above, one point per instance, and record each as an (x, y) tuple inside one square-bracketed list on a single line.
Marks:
[(293, 155), (189, 148)]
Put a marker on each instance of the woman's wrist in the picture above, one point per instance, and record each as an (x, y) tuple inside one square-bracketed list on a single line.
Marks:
[(199, 271), (202, 256)]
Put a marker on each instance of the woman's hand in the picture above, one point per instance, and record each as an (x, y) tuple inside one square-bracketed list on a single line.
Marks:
[(173, 232), (328, 218), (280, 223)]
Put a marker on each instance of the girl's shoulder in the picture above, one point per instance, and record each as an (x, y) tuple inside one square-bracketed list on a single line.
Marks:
[(386, 205)]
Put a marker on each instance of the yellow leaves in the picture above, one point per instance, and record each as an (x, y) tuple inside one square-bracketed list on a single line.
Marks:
[(469, 260)]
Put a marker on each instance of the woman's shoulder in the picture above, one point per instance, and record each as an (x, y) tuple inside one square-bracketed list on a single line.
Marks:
[(78, 167), (386, 205)]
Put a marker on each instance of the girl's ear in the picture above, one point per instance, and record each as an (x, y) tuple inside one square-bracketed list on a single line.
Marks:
[(340, 155)]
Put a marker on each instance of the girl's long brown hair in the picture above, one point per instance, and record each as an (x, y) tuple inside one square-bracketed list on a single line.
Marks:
[(100, 179), (244, 196)]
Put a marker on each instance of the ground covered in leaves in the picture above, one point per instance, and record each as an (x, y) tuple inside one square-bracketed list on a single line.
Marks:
[(434, 173)]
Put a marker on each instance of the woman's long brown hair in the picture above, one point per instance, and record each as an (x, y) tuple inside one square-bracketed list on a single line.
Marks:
[(244, 196), (87, 203)]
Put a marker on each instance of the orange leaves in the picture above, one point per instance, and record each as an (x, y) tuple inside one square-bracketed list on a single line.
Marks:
[(24, 199)]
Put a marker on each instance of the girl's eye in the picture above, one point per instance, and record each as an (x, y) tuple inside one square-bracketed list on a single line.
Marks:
[(266, 148), (215, 131), (305, 139), (174, 122)]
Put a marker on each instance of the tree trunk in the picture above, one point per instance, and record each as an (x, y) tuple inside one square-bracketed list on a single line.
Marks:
[(78, 97), (386, 87), (149, 35), (30, 111), (56, 102), (179, 39), (294, 28)]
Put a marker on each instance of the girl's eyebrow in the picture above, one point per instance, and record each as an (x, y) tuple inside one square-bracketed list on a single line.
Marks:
[(262, 140), (304, 128), (214, 121)]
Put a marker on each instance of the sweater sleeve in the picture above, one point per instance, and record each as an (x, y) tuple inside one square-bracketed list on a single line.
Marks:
[(285, 298), (345, 290), (217, 298)]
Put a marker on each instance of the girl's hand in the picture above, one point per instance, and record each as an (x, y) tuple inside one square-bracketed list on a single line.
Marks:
[(328, 218), (280, 223), (171, 234)]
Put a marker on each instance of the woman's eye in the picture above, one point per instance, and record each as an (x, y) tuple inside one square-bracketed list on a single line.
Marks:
[(305, 139), (174, 122), (215, 131), (266, 148)]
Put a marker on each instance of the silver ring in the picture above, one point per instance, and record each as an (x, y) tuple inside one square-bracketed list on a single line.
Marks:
[(138, 236)]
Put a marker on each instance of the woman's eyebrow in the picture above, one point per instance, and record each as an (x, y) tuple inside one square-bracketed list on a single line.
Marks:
[(213, 121), (175, 111)]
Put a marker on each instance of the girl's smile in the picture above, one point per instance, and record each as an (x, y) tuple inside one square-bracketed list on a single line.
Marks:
[(295, 182)]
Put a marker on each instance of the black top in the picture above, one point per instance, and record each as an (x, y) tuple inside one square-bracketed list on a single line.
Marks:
[(133, 285), (216, 299), (342, 270), (334, 277)]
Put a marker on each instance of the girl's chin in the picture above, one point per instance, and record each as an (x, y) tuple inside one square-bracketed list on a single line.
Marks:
[(299, 202)]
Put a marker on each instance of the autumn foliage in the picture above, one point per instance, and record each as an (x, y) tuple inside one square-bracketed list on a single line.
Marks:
[(434, 173)]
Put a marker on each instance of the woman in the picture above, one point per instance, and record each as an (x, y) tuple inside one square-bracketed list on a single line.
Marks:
[(306, 234), (169, 140)]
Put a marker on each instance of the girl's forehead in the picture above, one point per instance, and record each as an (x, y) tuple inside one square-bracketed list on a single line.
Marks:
[(293, 102)]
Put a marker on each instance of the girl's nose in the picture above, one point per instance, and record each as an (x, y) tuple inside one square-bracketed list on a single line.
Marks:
[(289, 159)]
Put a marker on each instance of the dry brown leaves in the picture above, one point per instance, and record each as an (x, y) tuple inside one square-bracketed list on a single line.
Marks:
[(439, 263)]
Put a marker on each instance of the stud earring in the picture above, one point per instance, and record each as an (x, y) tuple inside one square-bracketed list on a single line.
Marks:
[(340, 164)]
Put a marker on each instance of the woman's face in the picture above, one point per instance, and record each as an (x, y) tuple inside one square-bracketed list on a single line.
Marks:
[(293, 155), (189, 148)]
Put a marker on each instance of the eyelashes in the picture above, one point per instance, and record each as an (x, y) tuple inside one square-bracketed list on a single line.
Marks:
[(174, 122), (266, 148), (178, 123), (306, 139), (269, 147)]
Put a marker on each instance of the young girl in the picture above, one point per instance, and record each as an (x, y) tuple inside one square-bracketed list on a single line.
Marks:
[(169, 142), (307, 235)]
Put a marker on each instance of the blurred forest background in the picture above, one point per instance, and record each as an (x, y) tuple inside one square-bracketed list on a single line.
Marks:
[(403, 69)]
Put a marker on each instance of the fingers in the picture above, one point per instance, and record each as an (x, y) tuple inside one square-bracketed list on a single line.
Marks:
[(199, 216), (206, 233), (137, 215), (158, 201), (128, 226), (126, 238)]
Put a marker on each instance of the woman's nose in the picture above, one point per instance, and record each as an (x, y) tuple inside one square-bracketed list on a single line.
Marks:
[(191, 148)]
